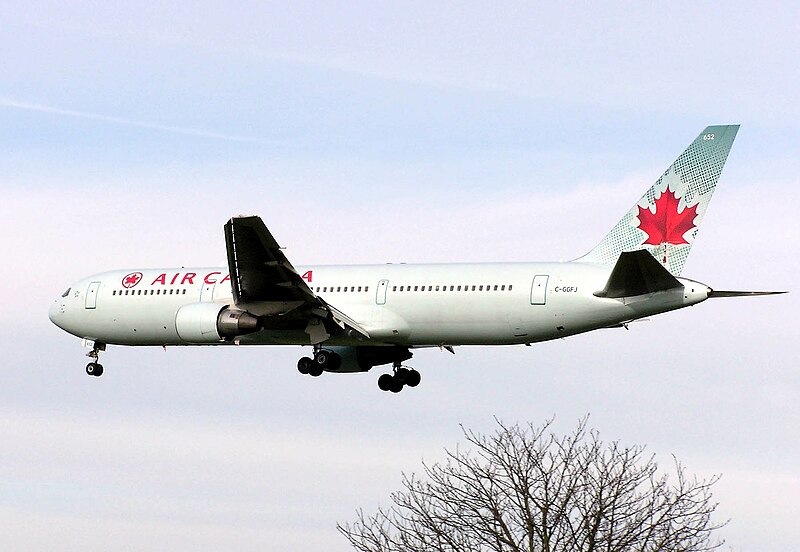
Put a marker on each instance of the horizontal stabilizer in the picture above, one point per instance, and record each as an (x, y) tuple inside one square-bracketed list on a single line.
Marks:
[(715, 293), (637, 273)]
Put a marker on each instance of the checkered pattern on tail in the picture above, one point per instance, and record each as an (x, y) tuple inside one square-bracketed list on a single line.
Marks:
[(657, 223)]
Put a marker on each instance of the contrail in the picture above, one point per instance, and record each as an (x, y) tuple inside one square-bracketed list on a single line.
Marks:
[(201, 133)]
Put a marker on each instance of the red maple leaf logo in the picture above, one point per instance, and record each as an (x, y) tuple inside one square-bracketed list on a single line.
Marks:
[(131, 279), (666, 225)]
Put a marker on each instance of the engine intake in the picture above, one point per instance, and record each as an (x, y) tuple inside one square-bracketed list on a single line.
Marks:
[(211, 323)]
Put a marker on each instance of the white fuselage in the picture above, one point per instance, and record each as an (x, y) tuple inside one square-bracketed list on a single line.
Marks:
[(403, 304)]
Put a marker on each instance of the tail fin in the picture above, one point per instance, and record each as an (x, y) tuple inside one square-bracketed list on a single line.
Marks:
[(666, 219)]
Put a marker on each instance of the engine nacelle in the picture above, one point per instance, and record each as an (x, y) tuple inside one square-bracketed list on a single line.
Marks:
[(363, 358), (211, 323)]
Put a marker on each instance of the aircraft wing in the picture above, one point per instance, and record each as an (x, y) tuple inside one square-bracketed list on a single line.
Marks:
[(259, 270), (265, 283)]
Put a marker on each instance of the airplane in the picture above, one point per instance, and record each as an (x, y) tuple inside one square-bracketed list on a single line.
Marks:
[(358, 317)]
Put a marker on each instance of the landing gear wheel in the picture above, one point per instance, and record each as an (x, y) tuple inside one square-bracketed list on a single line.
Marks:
[(327, 360), (304, 365), (397, 385), (315, 370), (399, 378), (94, 369), (385, 382), (322, 357)]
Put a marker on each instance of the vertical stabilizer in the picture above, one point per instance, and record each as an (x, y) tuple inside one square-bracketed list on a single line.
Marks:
[(666, 219)]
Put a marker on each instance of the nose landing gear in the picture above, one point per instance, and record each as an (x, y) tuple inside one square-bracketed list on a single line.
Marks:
[(94, 368), (399, 378)]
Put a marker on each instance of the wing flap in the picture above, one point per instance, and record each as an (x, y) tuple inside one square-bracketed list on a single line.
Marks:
[(346, 323)]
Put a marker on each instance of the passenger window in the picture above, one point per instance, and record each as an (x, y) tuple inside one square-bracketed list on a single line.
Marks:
[(366, 288), (509, 287), (459, 288), (495, 288), (416, 288), (451, 288), (339, 288), (502, 288), (359, 289), (473, 288), (394, 288), (480, 288)]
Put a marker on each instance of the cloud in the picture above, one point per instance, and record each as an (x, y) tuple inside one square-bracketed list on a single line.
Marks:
[(200, 133)]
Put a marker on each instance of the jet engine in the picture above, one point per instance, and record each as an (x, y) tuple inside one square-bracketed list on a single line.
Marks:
[(211, 323)]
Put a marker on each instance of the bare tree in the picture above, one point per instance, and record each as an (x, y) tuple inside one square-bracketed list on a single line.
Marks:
[(522, 488)]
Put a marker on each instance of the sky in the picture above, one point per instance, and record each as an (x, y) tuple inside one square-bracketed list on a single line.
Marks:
[(367, 132)]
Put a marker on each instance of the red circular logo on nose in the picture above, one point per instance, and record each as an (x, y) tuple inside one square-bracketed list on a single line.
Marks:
[(131, 279)]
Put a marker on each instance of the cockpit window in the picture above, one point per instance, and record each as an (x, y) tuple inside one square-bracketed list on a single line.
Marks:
[(66, 292)]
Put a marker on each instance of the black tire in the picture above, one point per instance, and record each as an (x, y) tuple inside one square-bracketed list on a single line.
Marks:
[(397, 385), (413, 378), (91, 368), (315, 370), (322, 358), (98, 371), (304, 365), (385, 382), (402, 374)]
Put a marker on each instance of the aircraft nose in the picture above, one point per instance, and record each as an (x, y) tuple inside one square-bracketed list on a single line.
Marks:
[(55, 313)]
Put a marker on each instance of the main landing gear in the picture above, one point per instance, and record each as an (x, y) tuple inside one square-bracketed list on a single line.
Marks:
[(399, 378), (94, 368), (323, 360)]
